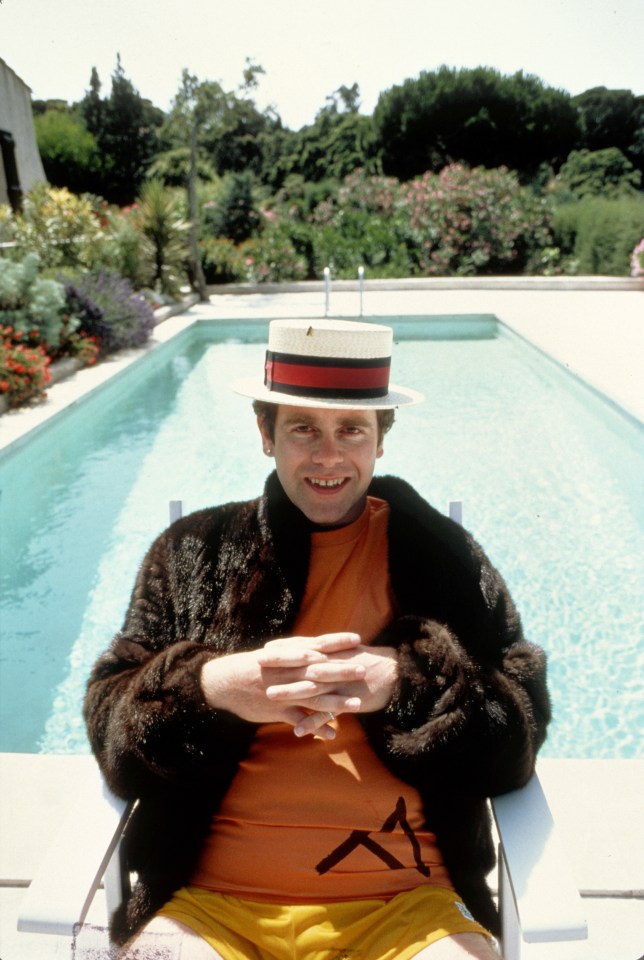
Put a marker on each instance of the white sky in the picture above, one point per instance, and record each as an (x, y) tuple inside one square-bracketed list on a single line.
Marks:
[(310, 49)]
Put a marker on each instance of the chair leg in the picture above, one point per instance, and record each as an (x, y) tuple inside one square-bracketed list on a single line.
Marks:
[(116, 881), (510, 929)]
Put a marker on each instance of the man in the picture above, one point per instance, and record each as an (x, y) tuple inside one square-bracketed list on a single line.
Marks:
[(314, 692)]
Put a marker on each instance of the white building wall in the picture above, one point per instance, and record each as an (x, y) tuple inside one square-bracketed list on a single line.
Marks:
[(16, 117)]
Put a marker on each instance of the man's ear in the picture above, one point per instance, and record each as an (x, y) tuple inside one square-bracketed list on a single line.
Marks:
[(267, 443), (380, 451)]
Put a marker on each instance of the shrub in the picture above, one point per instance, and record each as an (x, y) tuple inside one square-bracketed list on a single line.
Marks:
[(600, 233), (282, 252), (362, 239), (7, 224), (127, 250), (458, 222), (24, 366), (110, 310), (223, 261), (366, 223), (476, 221), (30, 303), (68, 150), (64, 230), (234, 214), (83, 315), (606, 173), (160, 219)]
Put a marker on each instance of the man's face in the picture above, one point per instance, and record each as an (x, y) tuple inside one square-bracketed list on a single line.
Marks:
[(325, 460)]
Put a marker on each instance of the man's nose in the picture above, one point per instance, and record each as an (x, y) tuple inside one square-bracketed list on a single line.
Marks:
[(327, 451)]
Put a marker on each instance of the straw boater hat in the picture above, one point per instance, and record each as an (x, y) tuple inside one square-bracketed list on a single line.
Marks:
[(328, 363)]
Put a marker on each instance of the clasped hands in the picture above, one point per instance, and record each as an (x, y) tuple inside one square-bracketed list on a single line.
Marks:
[(302, 681)]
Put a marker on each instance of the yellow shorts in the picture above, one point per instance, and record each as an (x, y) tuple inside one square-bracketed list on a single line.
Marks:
[(353, 930)]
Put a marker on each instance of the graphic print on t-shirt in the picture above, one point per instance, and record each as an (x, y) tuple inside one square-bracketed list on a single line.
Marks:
[(363, 838)]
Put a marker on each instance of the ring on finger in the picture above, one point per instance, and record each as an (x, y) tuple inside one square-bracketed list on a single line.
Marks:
[(331, 716)]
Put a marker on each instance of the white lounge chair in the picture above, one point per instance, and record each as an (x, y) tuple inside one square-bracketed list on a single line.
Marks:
[(541, 910)]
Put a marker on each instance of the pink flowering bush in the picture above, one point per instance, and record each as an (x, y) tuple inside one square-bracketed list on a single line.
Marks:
[(374, 194), (459, 222), (637, 260), (479, 221)]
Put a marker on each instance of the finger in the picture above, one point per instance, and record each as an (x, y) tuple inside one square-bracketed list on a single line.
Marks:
[(335, 671), (320, 708), (316, 681), (311, 723), (332, 642), (317, 724), (300, 651), (296, 691)]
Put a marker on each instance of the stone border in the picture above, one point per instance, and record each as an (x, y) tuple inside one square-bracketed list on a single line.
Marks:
[(632, 284)]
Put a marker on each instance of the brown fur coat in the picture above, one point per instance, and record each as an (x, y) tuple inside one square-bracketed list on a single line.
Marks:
[(465, 722)]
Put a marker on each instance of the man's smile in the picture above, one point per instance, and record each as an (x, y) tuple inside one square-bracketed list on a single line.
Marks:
[(327, 484)]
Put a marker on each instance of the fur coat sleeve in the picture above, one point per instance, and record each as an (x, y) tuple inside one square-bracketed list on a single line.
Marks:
[(471, 706), (208, 586)]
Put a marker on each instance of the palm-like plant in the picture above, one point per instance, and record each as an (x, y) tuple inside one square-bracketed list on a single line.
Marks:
[(163, 224)]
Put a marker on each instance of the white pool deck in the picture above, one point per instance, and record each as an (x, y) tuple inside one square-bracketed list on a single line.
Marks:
[(594, 329)]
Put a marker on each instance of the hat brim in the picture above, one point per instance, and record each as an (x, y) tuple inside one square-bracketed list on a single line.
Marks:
[(396, 397)]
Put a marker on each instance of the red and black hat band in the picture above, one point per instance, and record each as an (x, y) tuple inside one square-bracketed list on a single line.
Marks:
[(326, 377)]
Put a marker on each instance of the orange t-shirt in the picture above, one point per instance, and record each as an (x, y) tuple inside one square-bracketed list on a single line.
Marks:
[(311, 820)]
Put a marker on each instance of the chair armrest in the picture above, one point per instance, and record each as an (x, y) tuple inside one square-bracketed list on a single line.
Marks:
[(67, 879), (538, 879)]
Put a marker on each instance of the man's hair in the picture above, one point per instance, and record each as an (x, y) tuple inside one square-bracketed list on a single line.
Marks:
[(266, 413)]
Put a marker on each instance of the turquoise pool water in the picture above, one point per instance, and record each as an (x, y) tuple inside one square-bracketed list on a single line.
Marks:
[(548, 474)]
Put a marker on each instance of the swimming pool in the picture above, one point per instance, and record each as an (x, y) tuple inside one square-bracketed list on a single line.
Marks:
[(548, 474)]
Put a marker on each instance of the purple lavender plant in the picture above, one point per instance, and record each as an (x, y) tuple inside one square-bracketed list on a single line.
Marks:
[(110, 309)]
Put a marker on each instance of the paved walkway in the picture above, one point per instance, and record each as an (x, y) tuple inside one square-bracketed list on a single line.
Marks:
[(598, 335)]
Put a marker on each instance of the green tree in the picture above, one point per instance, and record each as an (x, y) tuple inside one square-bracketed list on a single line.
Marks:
[(92, 107), (597, 173), (345, 99), (477, 116), (232, 131), (335, 145), (215, 129), (125, 126), (235, 144), (196, 110), (612, 118), (68, 150), (279, 146)]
